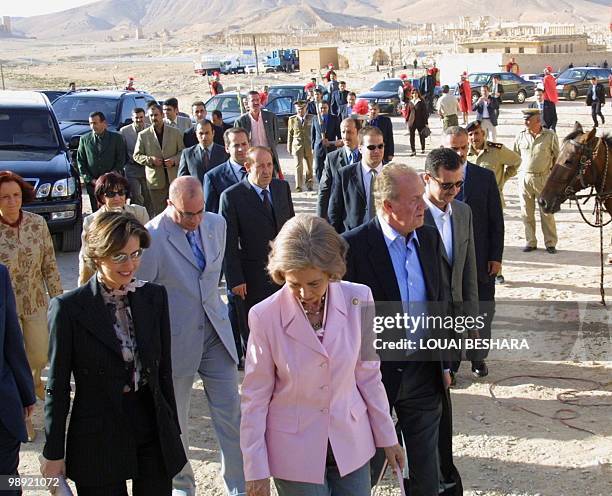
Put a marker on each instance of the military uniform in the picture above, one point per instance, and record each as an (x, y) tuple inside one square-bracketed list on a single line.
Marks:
[(498, 158), (299, 145), (539, 154)]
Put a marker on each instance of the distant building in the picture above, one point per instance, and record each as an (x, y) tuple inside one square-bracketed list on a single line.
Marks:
[(572, 43)]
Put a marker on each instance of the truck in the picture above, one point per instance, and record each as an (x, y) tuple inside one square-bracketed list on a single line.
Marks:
[(283, 60), (236, 64), (207, 65)]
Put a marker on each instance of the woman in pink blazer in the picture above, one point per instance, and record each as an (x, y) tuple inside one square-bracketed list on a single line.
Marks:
[(313, 413)]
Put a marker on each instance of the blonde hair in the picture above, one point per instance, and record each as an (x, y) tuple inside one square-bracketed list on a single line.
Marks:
[(307, 241), (109, 232), (387, 182)]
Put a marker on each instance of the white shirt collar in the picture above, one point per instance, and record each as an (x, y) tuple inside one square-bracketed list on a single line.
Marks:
[(436, 212), (390, 234), (366, 168)]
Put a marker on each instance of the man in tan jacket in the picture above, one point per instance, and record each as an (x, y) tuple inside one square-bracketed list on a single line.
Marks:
[(298, 144), (158, 149)]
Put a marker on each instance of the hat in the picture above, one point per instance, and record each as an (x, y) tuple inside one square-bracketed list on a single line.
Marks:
[(548, 68), (472, 126), (309, 86), (299, 103), (530, 112), (403, 76), (464, 74)]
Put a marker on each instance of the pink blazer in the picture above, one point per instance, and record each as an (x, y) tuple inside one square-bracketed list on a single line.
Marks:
[(298, 393)]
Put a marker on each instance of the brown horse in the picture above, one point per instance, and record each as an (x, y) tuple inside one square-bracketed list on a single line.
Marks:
[(585, 161)]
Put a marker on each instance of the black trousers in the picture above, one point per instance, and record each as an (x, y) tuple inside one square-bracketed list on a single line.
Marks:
[(596, 111), (236, 313), (413, 131), (152, 478), (9, 457), (92, 197), (549, 115)]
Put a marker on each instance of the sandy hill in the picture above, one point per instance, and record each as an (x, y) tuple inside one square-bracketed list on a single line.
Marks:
[(107, 16)]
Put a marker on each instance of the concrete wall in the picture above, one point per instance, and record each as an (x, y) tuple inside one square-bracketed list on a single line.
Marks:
[(535, 63), (452, 65), (314, 59)]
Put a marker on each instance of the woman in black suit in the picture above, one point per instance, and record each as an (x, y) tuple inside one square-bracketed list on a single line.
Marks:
[(113, 335), (417, 120)]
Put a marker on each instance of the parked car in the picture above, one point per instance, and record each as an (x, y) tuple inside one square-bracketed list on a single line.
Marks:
[(386, 94), (52, 95), (31, 145), (73, 109), (516, 89), (229, 105), (575, 82), (295, 91)]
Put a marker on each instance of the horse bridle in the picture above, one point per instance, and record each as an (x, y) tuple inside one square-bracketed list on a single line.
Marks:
[(584, 162)]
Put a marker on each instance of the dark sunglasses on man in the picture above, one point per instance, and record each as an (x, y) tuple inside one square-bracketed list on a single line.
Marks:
[(374, 147), (112, 194), (447, 186)]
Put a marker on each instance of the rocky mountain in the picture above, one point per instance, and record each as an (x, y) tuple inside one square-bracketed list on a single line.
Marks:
[(108, 16)]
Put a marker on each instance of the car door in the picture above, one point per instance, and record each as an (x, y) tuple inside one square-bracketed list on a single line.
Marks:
[(125, 117), (283, 109), (510, 84)]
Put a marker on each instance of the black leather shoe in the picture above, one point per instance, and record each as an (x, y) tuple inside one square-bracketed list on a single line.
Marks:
[(241, 364), (480, 369), (453, 377), (551, 249), (529, 248)]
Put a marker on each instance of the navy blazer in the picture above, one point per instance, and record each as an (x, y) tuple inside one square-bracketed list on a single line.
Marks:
[(493, 107), (250, 228), (338, 101), (386, 126), (332, 133), (16, 384), (480, 192), (216, 181), (334, 161), (348, 203), (191, 161)]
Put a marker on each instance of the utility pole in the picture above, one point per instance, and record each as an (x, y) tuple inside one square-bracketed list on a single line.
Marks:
[(2, 75), (256, 57), (399, 39)]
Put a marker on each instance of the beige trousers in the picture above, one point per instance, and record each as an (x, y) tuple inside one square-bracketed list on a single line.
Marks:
[(302, 156), (530, 187), (158, 200), (36, 338)]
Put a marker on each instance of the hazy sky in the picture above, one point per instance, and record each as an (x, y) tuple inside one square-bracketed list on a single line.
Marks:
[(35, 7)]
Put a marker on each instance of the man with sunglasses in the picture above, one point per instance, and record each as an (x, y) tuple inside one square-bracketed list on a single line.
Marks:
[(479, 191), (453, 220), (186, 255)]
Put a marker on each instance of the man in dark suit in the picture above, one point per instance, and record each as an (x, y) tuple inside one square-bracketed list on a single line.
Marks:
[(548, 113), (255, 210), (17, 396), (400, 260), (100, 151), (325, 137), (198, 114), (347, 110), (487, 109), (384, 124), (197, 160), (339, 98), (480, 192), (262, 126), (352, 199), (334, 161), (219, 127), (596, 98), (230, 172)]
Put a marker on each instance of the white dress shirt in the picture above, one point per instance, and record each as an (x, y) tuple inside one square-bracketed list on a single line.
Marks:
[(443, 221), (366, 172), (258, 131)]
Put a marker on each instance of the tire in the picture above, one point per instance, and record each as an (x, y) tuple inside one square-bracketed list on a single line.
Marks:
[(572, 94), (71, 240), (475, 97), (521, 96)]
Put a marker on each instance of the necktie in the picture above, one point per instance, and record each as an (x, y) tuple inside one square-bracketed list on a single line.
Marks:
[(355, 155), (205, 159), (266, 202), (98, 141), (195, 249), (372, 209), (243, 171)]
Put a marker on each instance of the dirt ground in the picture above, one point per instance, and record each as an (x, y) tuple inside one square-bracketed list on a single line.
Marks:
[(505, 446)]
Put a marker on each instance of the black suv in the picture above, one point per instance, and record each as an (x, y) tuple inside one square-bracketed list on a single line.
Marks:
[(73, 109), (576, 82), (31, 145)]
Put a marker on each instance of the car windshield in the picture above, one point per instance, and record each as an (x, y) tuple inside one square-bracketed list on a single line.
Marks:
[(278, 92), (77, 108), (476, 79), (25, 129), (224, 104), (387, 85), (573, 74)]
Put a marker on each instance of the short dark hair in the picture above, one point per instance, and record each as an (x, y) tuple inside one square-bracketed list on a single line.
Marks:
[(138, 110), (150, 103), (110, 181), (342, 82), (352, 93), (203, 123), (197, 103), (253, 93), (217, 113), (99, 114), (369, 131), (231, 132), (444, 158), (27, 190), (156, 106), (373, 104), (445, 88), (171, 102)]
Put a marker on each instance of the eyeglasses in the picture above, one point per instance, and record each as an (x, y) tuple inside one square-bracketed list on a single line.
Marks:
[(120, 258), (188, 215), (447, 186), (112, 194), (374, 147)]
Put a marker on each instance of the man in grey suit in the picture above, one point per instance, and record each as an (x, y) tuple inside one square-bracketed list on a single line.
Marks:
[(453, 219), (262, 127), (186, 256), (197, 160), (134, 172)]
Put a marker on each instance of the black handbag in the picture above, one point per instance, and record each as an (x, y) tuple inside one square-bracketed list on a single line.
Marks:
[(425, 132)]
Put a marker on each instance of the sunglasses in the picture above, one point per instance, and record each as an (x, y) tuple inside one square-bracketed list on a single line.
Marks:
[(448, 186), (112, 194), (374, 147), (120, 258), (188, 215)]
